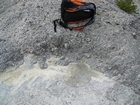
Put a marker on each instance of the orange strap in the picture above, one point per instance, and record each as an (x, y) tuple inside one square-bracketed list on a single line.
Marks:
[(72, 10), (78, 28), (78, 2), (75, 22)]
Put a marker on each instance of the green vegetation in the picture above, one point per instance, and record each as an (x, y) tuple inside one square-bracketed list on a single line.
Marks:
[(127, 5)]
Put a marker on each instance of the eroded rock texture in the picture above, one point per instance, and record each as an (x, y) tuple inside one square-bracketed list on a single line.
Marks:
[(110, 46)]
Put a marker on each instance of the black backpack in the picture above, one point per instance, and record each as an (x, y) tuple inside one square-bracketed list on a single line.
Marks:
[(74, 12)]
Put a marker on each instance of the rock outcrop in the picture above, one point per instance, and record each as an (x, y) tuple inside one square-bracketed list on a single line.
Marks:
[(99, 65)]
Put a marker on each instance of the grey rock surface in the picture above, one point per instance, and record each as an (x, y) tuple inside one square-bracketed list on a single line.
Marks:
[(111, 46), (75, 84)]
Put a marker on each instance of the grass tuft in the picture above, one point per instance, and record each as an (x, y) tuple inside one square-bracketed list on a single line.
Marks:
[(127, 5)]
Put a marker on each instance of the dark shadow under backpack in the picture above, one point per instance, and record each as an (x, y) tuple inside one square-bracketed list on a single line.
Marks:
[(72, 13)]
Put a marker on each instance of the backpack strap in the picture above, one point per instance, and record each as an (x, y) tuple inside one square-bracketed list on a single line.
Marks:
[(55, 24), (61, 23), (83, 26), (78, 2)]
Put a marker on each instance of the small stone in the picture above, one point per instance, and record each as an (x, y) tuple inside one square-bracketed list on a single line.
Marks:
[(42, 65), (87, 55), (62, 58), (66, 46), (88, 39), (133, 33), (54, 49)]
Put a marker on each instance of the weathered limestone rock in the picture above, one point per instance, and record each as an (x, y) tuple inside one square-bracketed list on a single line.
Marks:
[(109, 49)]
